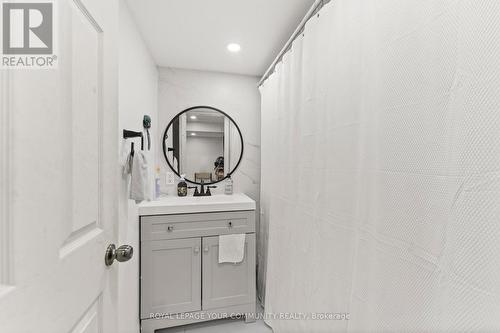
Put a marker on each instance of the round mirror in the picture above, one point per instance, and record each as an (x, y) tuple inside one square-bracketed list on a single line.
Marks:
[(203, 143)]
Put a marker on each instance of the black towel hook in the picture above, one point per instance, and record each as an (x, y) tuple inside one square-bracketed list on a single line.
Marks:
[(128, 134)]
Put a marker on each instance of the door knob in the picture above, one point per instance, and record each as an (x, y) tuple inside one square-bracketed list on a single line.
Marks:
[(121, 254)]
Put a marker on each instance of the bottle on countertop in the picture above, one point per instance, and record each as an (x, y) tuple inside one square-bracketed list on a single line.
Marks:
[(182, 188), (228, 189), (157, 183)]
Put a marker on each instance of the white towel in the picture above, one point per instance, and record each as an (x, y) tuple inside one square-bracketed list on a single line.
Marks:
[(231, 248), (139, 171)]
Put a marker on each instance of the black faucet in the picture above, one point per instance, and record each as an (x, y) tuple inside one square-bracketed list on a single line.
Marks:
[(201, 192)]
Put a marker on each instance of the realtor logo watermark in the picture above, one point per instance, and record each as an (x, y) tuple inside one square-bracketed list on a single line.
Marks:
[(28, 35)]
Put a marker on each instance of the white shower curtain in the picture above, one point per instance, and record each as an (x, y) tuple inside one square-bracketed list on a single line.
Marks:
[(381, 169)]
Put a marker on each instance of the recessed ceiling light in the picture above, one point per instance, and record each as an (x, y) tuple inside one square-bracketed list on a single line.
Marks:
[(193, 117), (193, 134), (233, 47)]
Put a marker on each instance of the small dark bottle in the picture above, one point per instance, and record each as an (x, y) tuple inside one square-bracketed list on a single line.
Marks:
[(182, 187)]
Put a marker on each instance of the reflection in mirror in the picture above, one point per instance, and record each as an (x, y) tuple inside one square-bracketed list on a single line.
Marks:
[(203, 143)]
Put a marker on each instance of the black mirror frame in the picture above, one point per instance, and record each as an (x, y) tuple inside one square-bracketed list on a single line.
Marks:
[(165, 136)]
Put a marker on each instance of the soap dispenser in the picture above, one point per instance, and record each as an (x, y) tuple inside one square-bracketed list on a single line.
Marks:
[(228, 189), (182, 188), (157, 183)]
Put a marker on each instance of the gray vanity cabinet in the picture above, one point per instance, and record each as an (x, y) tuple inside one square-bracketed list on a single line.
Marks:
[(180, 272), (227, 284), (171, 275)]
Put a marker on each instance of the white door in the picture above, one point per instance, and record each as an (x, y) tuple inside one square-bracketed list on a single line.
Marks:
[(59, 172)]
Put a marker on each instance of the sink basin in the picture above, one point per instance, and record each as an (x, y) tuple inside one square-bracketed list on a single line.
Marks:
[(185, 205)]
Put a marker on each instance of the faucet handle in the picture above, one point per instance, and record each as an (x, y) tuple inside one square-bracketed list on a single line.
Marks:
[(196, 193), (208, 189)]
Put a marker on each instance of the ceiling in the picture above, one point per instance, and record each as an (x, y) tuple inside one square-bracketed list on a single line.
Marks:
[(194, 33)]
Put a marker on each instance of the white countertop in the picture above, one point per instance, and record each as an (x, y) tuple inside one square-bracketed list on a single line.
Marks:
[(184, 205)]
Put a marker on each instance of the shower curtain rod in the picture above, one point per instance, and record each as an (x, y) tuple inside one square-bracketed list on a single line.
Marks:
[(316, 7)]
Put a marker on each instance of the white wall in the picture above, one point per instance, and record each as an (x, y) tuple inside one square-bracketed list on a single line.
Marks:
[(237, 95), (138, 89), (201, 153)]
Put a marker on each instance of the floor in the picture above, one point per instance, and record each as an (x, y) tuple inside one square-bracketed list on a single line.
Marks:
[(222, 326)]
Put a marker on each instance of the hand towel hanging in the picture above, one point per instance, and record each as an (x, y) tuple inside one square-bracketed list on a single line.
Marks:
[(231, 248)]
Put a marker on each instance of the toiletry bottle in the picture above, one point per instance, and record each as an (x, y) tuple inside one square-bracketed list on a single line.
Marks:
[(157, 183), (228, 189), (182, 187)]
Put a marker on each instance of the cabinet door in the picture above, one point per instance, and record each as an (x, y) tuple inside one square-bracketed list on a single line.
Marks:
[(227, 284), (170, 276)]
